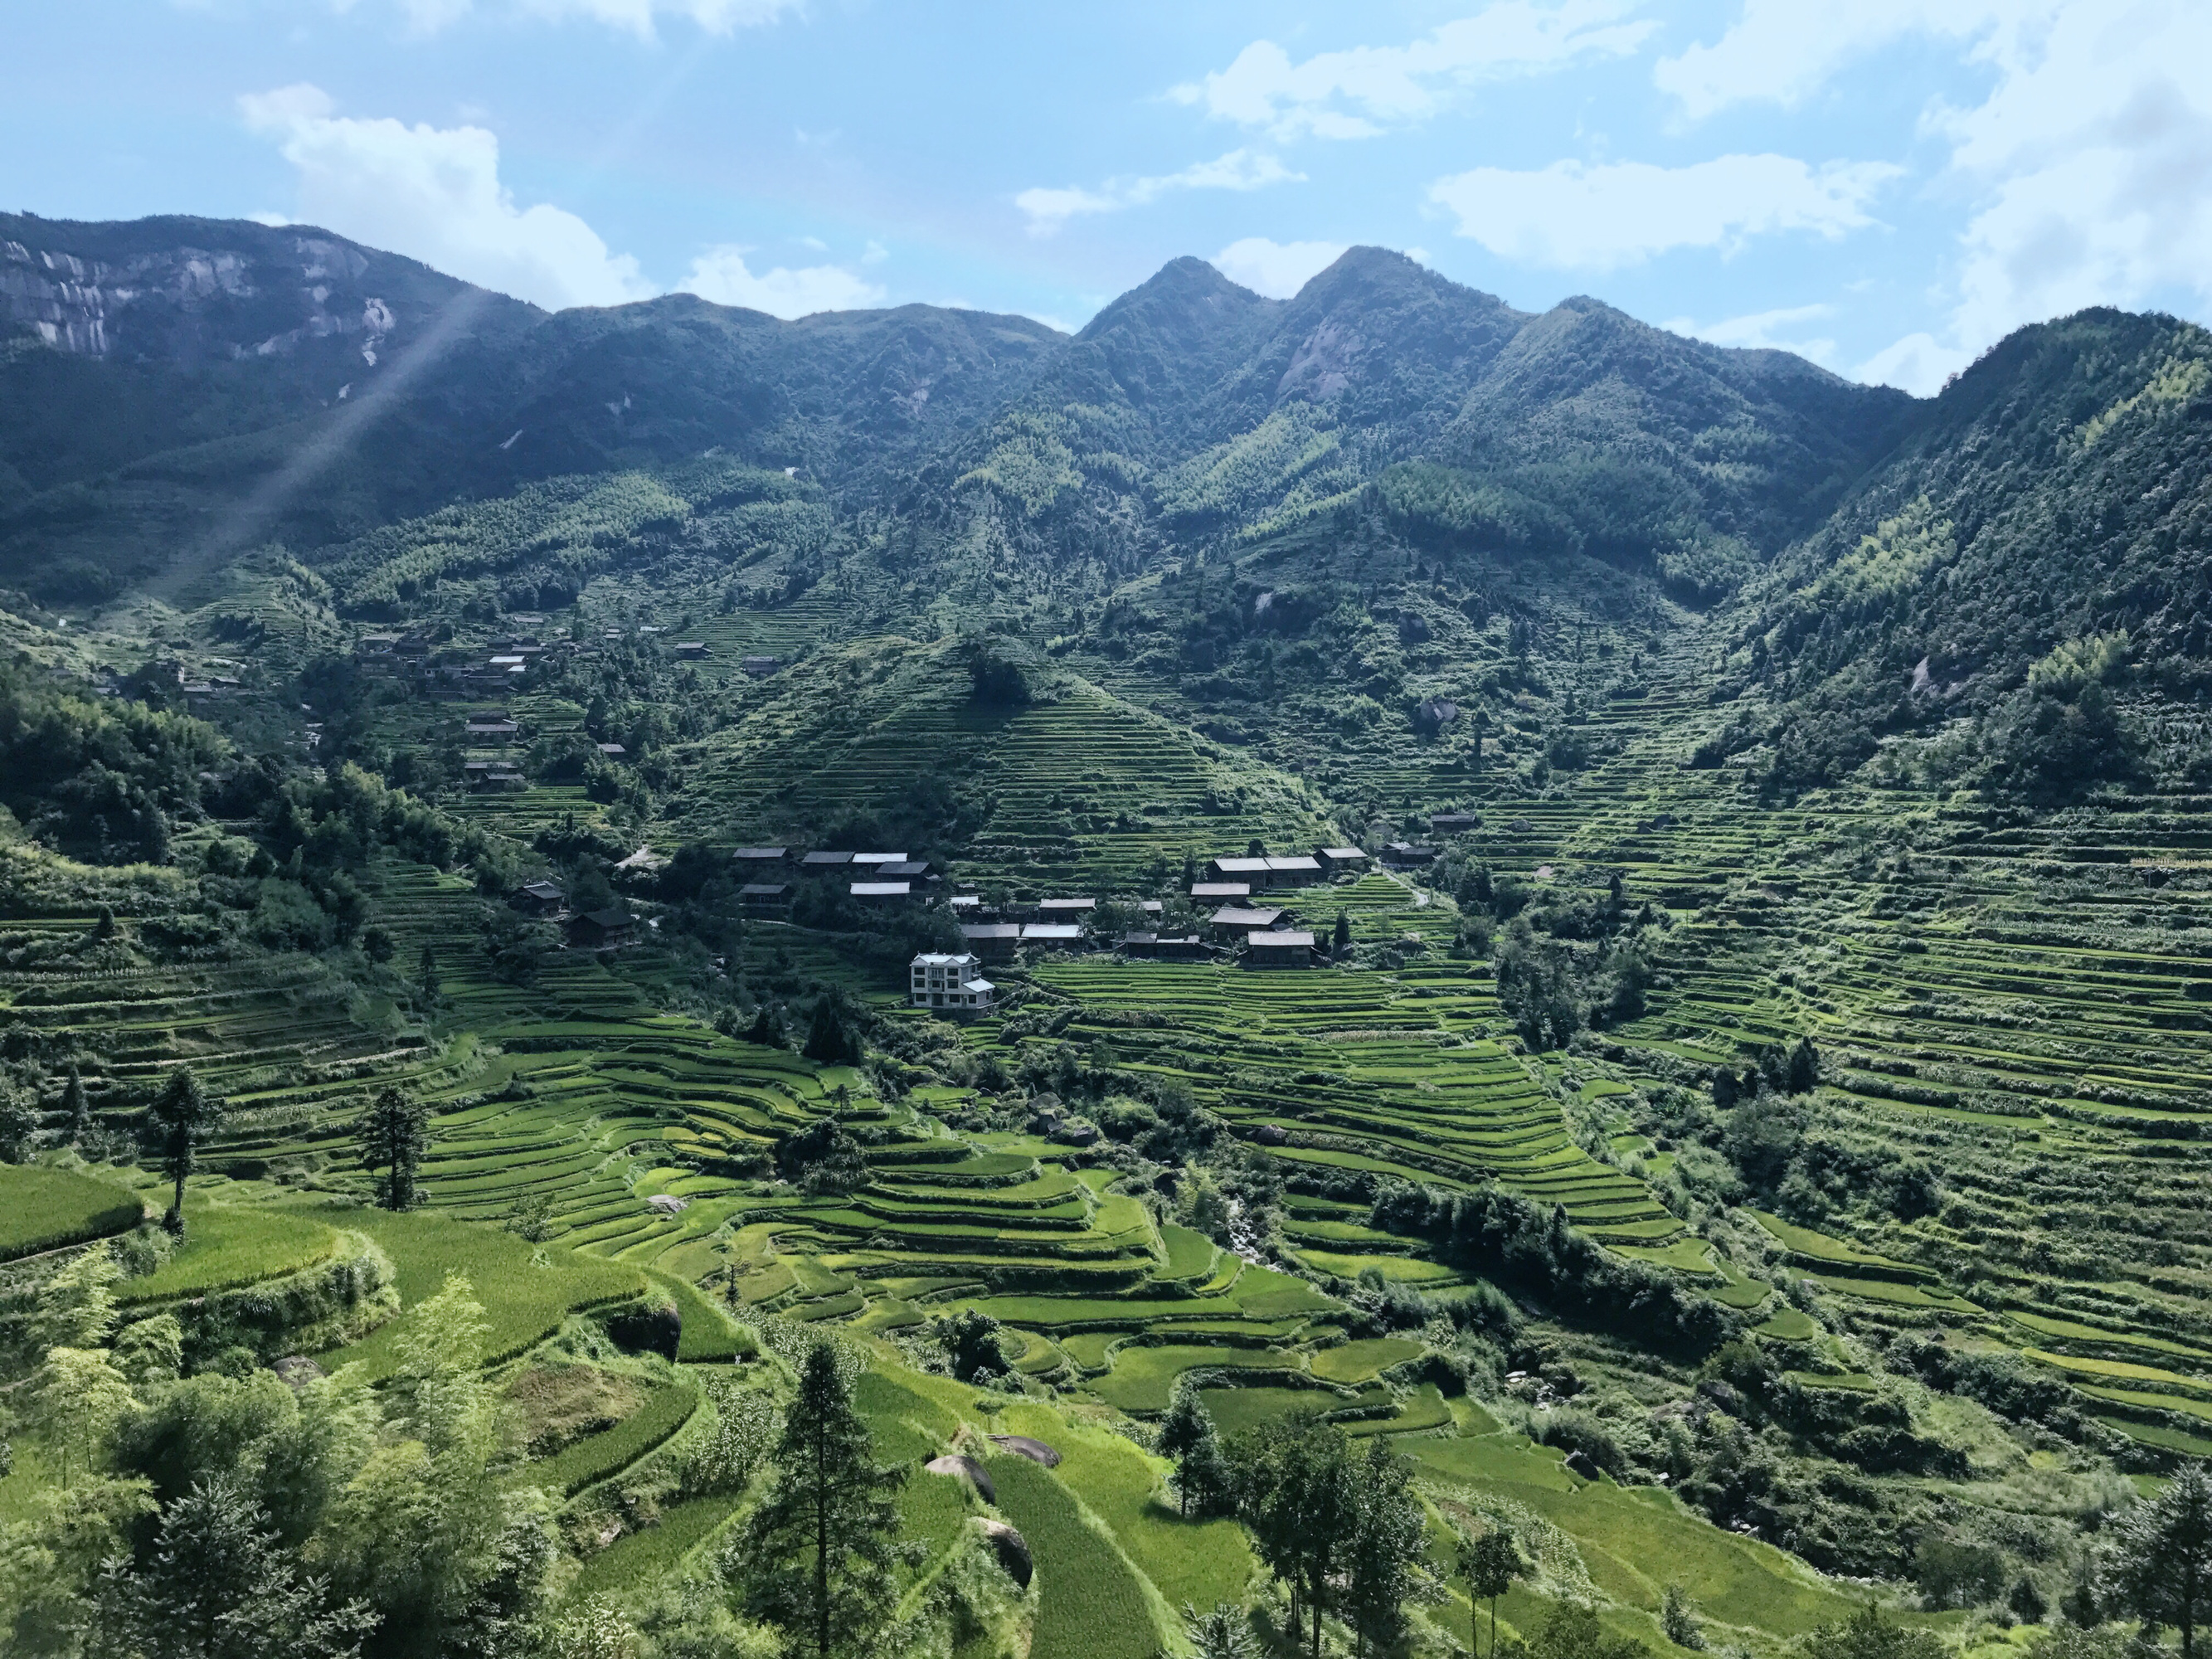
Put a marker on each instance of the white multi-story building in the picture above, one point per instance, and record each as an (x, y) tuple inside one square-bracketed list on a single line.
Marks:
[(950, 981)]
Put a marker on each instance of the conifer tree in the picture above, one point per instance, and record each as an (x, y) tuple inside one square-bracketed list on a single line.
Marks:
[(426, 972), (184, 1115), (1187, 1435), (817, 1555), (77, 1106), (1342, 941), (2161, 1564), (395, 1133)]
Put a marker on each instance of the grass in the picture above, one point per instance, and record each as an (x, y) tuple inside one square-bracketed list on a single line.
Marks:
[(1144, 1378), (1090, 1604), (596, 1456), (228, 1246), (527, 1290), (43, 1209), (641, 1559), (1359, 1362)]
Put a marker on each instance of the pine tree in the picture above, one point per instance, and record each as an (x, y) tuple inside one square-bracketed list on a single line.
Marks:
[(1223, 1633), (2161, 1564), (77, 1106), (817, 1555), (395, 1133), (428, 973), (1342, 941), (1187, 1435), (184, 1115)]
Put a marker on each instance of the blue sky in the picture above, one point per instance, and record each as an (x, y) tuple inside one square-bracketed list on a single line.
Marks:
[(1887, 185)]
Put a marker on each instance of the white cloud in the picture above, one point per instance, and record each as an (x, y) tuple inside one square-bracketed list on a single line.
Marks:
[(429, 17), (1577, 216), (434, 195), (1778, 330), (2088, 167), (1785, 51), (721, 275), (1278, 270), (1356, 93), (1239, 169), (875, 253)]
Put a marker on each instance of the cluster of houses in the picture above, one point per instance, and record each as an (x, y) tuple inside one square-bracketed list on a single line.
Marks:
[(458, 675)]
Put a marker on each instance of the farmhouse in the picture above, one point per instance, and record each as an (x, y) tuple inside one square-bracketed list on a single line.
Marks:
[(1153, 947), (757, 668), (1065, 909), (760, 858), (764, 898), (1053, 935), (1340, 860), (539, 898), (879, 858), (603, 930), (821, 864), (1278, 949), (501, 730), (1406, 854), (1299, 870), (882, 892), (994, 941), (903, 870), (1235, 921), (939, 980), (612, 750), (691, 650), (1454, 824), (1253, 871), (1214, 892)]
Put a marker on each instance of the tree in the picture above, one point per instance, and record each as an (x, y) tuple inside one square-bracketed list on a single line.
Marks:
[(2161, 1564), (395, 1133), (184, 1115), (1223, 1633), (427, 973), (1187, 1435), (1488, 1563), (1574, 1633), (1295, 1490), (19, 1123), (1678, 1619), (1383, 1556), (76, 1106), (828, 1041), (1341, 941), (1867, 1635), (220, 1585), (817, 1555), (970, 1341), (79, 1400)]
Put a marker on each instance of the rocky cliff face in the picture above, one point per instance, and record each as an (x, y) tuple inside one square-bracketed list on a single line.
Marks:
[(192, 291)]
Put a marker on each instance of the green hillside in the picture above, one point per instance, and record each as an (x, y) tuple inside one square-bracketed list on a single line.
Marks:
[(1736, 1128)]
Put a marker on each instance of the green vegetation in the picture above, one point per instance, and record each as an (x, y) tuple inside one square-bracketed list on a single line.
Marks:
[(43, 1209)]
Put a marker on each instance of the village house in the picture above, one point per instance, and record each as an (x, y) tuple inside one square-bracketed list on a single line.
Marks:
[(994, 941), (904, 870), (757, 668), (1340, 860), (1153, 947), (1286, 949), (761, 857), (1293, 870), (951, 982), (879, 858), (1406, 855), (540, 898), (1236, 921), (690, 650), (824, 863), (1052, 935), (765, 898), (1454, 823), (1065, 909), (1252, 872), (501, 730), (612, 750), (1216, 892), (882, 892), (603, 930)]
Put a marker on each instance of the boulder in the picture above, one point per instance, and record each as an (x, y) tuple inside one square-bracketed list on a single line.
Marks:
[(1012, 1549), (297, 1370), (968, 1469), (1578, 1463), (1022, 1446)]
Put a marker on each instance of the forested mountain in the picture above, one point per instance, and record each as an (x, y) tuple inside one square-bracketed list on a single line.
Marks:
[(1731, 1155)]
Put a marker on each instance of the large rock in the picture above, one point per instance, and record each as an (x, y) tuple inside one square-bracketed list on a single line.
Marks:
[(1022, 1446), (965, 1468), (1012, 1549)]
